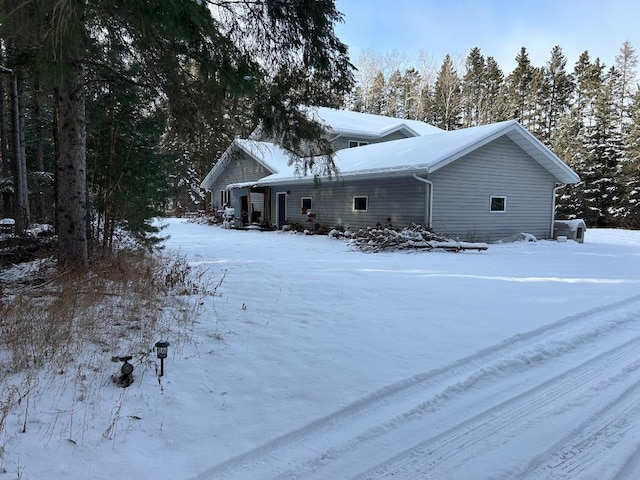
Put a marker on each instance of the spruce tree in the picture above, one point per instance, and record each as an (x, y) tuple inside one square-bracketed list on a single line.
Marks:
[(377, 100), (630, 170), (602, 190), (446, 97), (519, 87), (412, 83), (626, 63), (560, 87), (394, 96), (497, 108), (474, 89)]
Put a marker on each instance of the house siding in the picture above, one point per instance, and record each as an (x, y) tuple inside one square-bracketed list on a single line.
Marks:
[(240, 168), (462, 192), (400, 199)]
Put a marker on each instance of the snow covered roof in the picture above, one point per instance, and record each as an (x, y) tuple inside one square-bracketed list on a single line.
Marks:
[(274, 158), (429, 153), (367, 124)]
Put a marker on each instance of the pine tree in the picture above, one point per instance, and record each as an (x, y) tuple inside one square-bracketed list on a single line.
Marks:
[(573, 141), (496, 98), (412, 83), (626, 63), (519, 87), (447, 100), (631, 168), (376, 95), (394, 96), (534, 115), (602, 191), (474, 89), (560, 87)]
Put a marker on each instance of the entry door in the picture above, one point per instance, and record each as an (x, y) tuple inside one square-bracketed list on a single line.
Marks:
[(282, 208)]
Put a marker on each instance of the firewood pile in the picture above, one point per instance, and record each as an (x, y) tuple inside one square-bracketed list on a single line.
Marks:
[(415, 237)]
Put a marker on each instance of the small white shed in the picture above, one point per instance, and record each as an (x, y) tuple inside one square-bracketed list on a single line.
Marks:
[(569, 229)]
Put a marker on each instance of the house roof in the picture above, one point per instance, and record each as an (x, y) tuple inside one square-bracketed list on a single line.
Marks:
[(429, 153), (368, 125), (274, 158)]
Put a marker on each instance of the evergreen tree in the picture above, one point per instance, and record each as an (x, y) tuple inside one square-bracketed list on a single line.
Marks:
[(377, 100), (474, 89), (626, 63), (426, 108), (496, 109), (412, 83), (128, 174), (631, 168), (559, 85), (519, 87), (394, 96), (573, 141), (447, 99), (534, 115), (602, 191)]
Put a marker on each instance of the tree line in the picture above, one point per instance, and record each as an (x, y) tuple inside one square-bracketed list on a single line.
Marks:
[(589, 115)]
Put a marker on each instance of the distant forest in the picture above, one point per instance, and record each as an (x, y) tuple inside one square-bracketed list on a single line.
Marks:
[(589, 115)]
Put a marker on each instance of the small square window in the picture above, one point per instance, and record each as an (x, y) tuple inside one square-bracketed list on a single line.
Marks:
[(306, 203), (360, 203), (498, 204)]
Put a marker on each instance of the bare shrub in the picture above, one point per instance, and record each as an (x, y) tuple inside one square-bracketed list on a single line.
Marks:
[(53, 322)]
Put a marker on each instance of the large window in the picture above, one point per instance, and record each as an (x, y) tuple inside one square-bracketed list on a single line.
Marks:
[(357, 143), (360, 203), (498, 204)]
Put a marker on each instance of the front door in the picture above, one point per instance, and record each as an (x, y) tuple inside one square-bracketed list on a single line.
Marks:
[(282, 208)]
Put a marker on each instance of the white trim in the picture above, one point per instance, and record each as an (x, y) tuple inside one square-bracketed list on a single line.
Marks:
[(286, 206), (302, 199), (353, 203), (430, 209), (557, 187), (504, 209)]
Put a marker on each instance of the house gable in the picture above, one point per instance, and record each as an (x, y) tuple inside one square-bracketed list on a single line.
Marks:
[(463, 191)]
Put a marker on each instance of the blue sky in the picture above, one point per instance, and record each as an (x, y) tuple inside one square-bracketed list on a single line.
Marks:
[(498, 27)]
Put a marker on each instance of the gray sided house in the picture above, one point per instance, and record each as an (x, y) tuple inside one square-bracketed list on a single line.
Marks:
[(477, 184)]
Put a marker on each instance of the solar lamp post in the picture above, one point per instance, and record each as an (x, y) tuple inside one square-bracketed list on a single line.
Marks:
[(161, 352)]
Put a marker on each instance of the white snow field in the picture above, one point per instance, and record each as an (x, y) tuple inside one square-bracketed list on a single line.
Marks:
[(317, 361)]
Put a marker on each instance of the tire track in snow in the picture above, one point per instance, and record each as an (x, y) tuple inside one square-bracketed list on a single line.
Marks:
[(443, 455), (301, 452), (590, 442)]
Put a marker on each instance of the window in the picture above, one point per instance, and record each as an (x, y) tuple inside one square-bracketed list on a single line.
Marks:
[(225, 197), (305, 204), (357, 143), (360, 203), (498, 204)]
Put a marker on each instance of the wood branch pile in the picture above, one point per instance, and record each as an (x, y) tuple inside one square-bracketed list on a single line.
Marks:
[(415, 237)]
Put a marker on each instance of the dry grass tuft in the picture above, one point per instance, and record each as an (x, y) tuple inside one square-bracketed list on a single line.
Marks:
[(52, 321)]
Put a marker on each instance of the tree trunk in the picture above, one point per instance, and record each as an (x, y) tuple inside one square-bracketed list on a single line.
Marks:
[(39, 141), (5, 197), (22, 214), (71, 204)]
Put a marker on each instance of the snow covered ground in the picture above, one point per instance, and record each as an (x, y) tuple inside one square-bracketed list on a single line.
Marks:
[(316, 361)]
